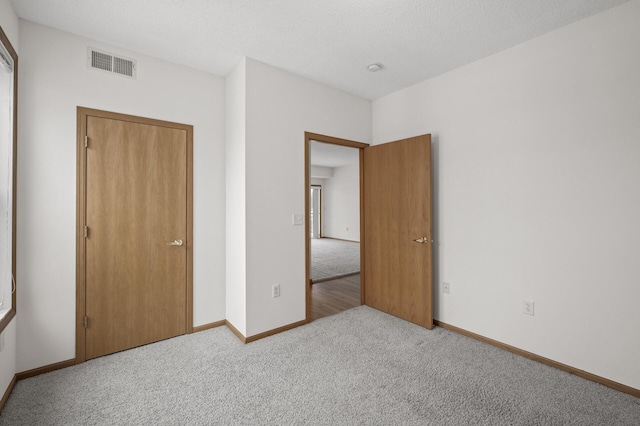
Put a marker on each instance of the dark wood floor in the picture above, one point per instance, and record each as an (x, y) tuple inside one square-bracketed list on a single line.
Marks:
[(334, 296)]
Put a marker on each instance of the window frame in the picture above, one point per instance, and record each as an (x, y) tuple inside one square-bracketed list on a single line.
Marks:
[(6, 320)]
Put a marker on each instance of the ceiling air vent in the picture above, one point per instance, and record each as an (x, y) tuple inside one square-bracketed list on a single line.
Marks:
[(108, 62)]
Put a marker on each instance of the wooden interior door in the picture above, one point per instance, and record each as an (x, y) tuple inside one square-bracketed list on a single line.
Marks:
[(136, 203), (397, 212)]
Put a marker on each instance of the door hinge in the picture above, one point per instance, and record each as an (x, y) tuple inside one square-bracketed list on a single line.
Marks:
[(86, 141), (85, 321), (86, 231)]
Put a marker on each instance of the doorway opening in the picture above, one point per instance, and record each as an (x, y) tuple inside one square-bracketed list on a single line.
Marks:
[(395, 226), (333, 208)]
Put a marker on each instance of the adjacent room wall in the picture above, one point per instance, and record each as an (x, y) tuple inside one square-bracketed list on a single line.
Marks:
[(537, 165), (9, 24), (341, 204), (280, 108), (320, 172), (54, 80)]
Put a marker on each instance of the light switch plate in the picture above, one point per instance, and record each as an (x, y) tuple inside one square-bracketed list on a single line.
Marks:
[(298, 219)]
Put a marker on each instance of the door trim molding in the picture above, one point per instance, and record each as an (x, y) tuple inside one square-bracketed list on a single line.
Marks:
[(81, 173), (308, 137)]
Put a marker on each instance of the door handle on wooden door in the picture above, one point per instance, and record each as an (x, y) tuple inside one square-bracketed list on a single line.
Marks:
[(175, 243), (423, 240)]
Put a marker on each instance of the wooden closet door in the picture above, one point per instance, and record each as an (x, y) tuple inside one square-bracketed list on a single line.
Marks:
[(136, 203)]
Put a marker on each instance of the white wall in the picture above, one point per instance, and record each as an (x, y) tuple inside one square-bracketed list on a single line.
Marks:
[(9, 24), (537, 167), (54, 80), (8, 356), (280, 108), (236, 241), (341, 204)]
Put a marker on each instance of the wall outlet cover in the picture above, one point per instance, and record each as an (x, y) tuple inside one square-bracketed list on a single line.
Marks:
[(528, 307)]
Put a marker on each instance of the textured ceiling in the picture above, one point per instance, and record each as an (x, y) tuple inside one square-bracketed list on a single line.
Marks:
[(330, 41)]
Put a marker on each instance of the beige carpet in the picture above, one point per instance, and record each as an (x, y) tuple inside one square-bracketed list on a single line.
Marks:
[(359, 367)]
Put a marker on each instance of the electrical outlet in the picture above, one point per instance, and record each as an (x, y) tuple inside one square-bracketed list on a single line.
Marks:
[(446, 288), (275, 290), (527, 307)]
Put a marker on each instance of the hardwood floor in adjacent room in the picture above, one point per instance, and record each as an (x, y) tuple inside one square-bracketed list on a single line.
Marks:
[(334, 296)]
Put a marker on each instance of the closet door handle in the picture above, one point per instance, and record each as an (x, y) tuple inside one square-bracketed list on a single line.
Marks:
[(175, 243), (423, 240)]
